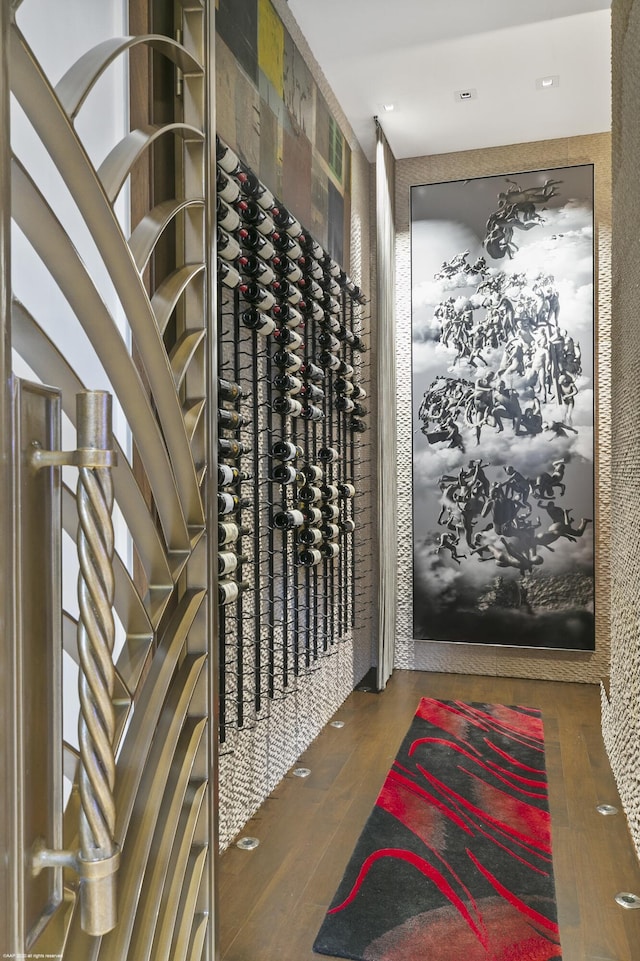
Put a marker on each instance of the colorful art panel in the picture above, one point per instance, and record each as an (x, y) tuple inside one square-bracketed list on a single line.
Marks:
[(503, 409)]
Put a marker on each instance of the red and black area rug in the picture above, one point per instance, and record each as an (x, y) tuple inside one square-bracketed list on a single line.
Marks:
[(454, 862)]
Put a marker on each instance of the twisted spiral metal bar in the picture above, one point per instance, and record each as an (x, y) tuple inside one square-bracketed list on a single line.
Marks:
[(96, 634)]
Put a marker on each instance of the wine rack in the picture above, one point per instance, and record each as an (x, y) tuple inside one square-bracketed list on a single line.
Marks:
[(293, 451)]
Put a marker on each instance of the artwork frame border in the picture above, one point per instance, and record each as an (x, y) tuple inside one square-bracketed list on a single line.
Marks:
[(542, 590)]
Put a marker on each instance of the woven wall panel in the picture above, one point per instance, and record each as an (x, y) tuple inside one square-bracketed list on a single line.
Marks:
[(621, 712), (476, 659)]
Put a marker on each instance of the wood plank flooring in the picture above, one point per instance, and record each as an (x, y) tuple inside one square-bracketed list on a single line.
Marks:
[(273, 899)]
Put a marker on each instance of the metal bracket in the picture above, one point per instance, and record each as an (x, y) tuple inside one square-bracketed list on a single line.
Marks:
[(38, 458)]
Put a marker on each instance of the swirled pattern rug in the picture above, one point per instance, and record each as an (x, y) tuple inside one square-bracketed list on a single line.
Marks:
[(454, 862)]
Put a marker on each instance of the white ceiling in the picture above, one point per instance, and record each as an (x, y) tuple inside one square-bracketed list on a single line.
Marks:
[(417, 53)]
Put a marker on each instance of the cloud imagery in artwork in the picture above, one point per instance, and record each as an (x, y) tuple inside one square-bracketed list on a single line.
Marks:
[(503, 414)]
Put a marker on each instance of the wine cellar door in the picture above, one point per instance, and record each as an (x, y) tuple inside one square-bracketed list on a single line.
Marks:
[(108, 741)]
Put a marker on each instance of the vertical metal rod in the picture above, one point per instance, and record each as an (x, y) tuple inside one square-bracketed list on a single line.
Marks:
[(257, 592), (239, 603), (96, 635), (222, 651), (270, 542)]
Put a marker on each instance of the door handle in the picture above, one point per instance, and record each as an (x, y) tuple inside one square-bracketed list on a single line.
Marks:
[(96, 862)]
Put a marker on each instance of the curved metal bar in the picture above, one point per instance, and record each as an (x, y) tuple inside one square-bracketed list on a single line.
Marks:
[(44, 358), (74, 87), (116, 166), (170, 290), (54, 128), (147, 233), (182, 354), (52, 244)]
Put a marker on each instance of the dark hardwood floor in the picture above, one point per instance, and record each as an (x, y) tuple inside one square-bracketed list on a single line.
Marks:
[(273, 899)]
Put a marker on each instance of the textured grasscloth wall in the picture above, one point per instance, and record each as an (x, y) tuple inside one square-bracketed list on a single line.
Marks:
[(261, 755), (621, 710), (475, 659)]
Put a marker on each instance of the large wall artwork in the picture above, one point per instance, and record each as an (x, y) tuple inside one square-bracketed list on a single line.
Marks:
[(503, 401)]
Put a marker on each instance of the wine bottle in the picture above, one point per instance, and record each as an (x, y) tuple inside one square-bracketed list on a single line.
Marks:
[(286, 244), (330, 492), (229, 591), (345, 335), (229, 503), (330, 531), (330, 286), (227, 246), (313, 473), (309, 536), (309, 308), (310, 288), (312, 393), (287, 268), (228, 562), (310, 557), (328, 341), (359, 393), (312, 515), (330, 549), (329, 303), (331, 322), (330, 512), (284, 450), (229, 532), (359, 410), (254, 294), (286, 405), (252, 240), (230, 391), (287, 383), (231, 448), (286, 221), (311, 247), (254, 319), (344, 402), (227, 216), (311, 371), (286, 314), (287, 474), (329, 264), (287, 337), (253, 266), (226, 158), (310, 267), (358, 426), (343, 386), (329, 361), (230, 475), (347, 526), (347, 491), (227, 187), (286, 291), (359, 344), (227, 274), (328, 455), (309, 494), (311, 412), (345, 370), (253, 215), (252, 188), (287, 360), (231, 419), (287, 520)]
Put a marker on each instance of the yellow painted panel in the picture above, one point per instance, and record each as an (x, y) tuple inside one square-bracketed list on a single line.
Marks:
[(271, 45)]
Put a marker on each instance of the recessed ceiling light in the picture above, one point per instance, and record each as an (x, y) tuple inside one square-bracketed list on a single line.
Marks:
[(469, 94), (388, 107), (544, 83)]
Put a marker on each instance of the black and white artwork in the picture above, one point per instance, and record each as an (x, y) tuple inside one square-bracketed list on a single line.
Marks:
[(503, 409)]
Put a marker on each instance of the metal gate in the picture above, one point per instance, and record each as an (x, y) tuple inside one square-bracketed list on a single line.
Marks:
[(107, 835)]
